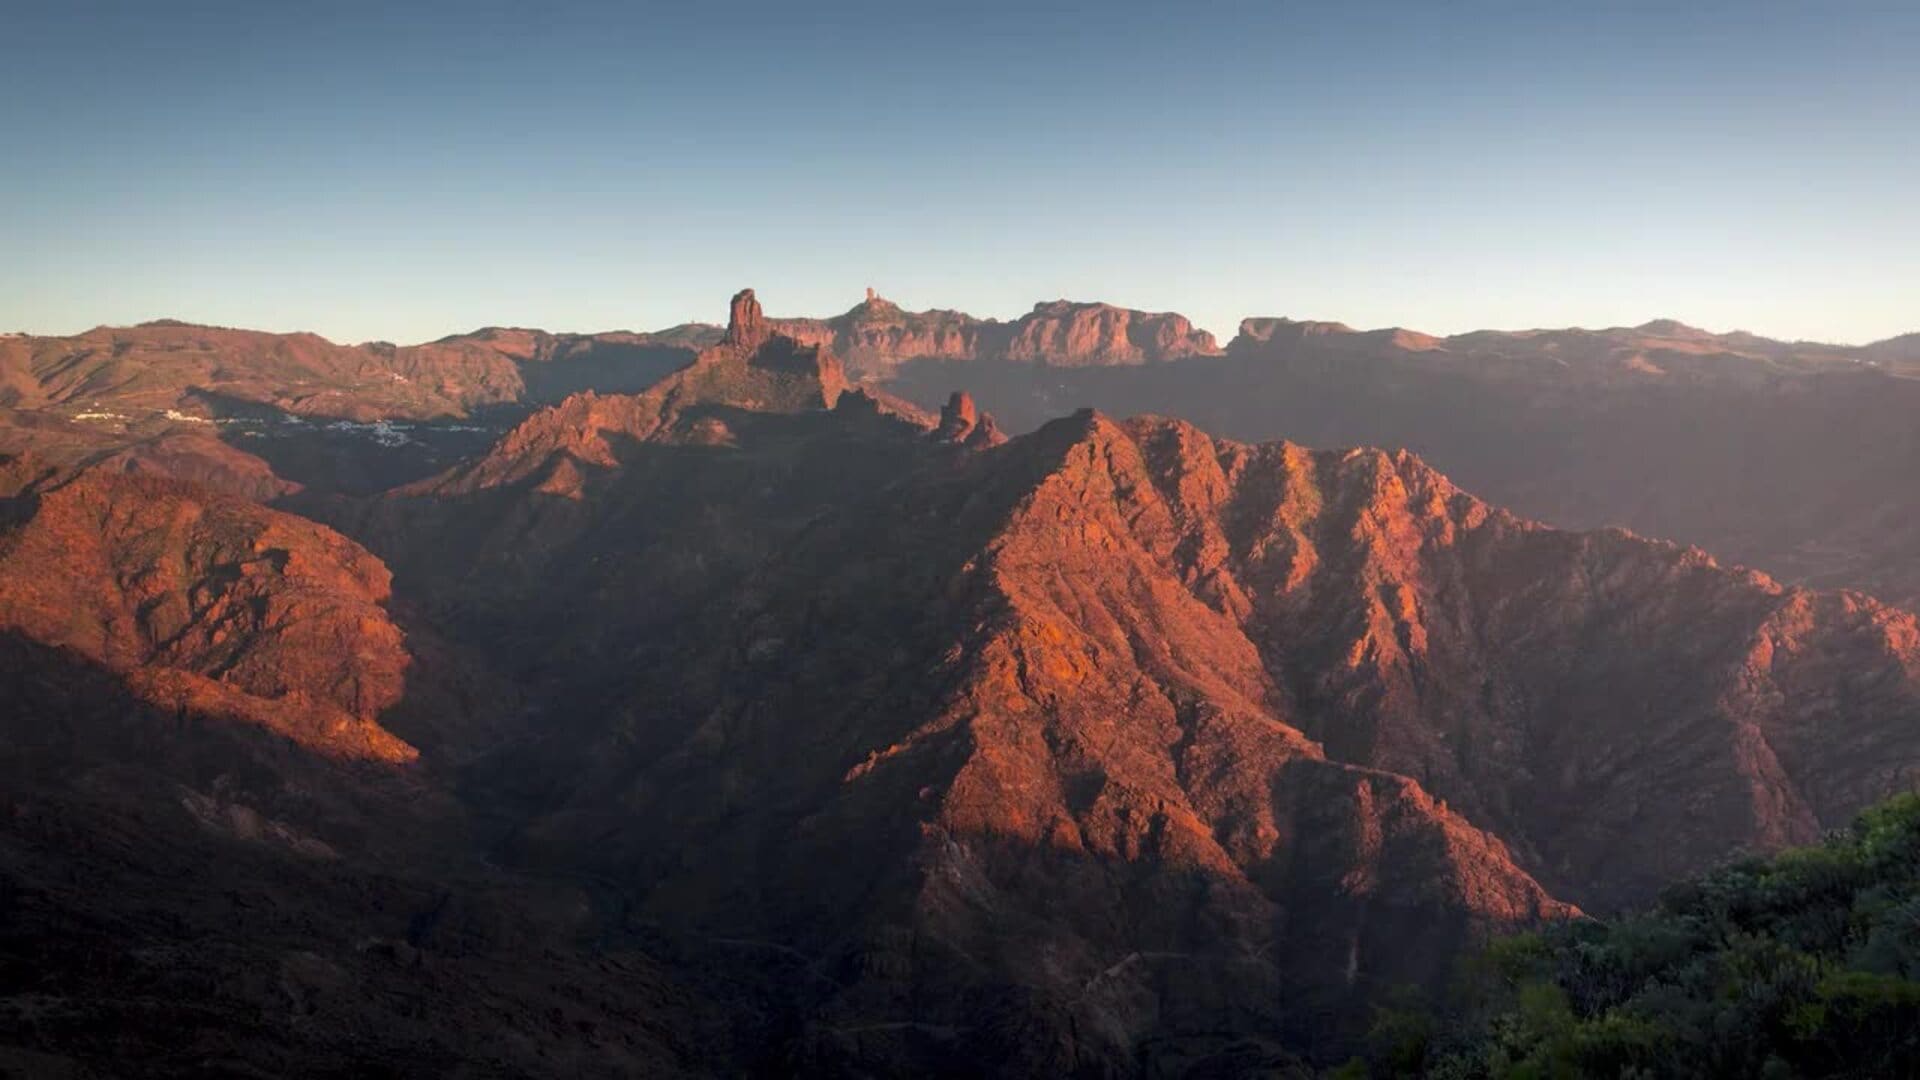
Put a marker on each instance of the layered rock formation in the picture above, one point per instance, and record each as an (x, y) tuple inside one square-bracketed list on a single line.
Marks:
[(878, 336), (961, 421), (1064, 334)]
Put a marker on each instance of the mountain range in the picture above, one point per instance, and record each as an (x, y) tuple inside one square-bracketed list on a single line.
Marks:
[(1787, 456), (728, 701)]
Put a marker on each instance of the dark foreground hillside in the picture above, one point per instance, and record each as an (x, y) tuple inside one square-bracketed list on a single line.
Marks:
[(1805, 964)]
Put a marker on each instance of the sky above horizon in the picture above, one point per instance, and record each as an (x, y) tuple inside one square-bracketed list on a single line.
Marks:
[(402, 172)]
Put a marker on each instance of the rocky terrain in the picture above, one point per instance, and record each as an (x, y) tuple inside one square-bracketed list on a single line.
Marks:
[(174, 365), (1789, 457), (762, 721), (877, 336), (1786, 456), (265, 415), (217, 859)]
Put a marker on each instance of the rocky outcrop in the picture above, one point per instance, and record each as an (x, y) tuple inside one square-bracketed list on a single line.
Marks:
[(746, 326), (958, 417), (877, 336), (1065, 334), (962, 422), (753, 370), (211, 605), (1255, 333)]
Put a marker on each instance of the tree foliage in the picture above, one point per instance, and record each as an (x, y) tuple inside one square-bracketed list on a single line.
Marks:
[(1805, 964)]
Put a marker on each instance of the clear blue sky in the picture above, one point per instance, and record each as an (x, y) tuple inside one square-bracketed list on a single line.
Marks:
[(373, 173)]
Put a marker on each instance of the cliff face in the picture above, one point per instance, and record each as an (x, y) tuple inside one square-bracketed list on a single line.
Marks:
[(1063, 334), (876, 337)]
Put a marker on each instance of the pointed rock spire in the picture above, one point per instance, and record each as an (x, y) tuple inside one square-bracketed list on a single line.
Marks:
[(958, 416), (746, 326), (961, 421)]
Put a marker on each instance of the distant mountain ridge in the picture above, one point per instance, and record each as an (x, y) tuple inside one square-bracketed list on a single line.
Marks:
[(169, 364), (877, 335), (763, 722), (1784, 455), (1791, 457), (162, 362)]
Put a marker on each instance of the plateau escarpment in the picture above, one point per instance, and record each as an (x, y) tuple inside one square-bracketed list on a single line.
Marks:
[(878, 336)]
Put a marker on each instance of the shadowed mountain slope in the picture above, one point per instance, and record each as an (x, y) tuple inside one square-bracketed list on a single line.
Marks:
[(1788, 457), (1116, 736), (213, 604), (1115, 748)]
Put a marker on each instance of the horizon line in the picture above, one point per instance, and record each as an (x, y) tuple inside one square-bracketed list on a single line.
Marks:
[(1223, 339)]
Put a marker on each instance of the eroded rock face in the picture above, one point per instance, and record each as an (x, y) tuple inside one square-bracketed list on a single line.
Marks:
[(746, 326), (1064, 334), (958, 416), (878, 336), (962, 422), (753, 370), (211, 604)]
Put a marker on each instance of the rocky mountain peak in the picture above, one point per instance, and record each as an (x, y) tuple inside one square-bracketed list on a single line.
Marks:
[(959, 412), (746, 325), (1671, 328), (961, 421)]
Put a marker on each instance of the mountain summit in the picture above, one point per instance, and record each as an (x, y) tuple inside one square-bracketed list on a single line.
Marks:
[(746, 327)]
